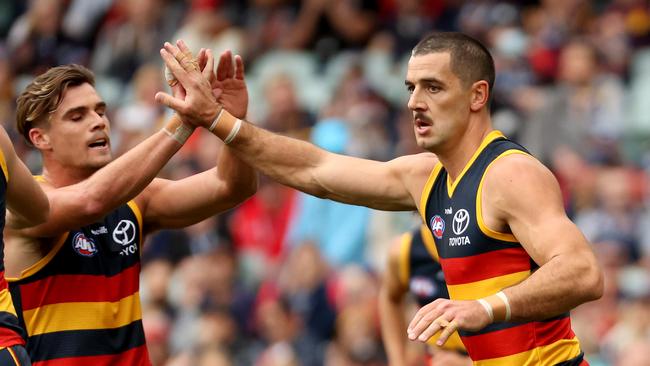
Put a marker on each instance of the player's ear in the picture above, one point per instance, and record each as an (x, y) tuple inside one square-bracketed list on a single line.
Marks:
[(40, 138), (480, 95)]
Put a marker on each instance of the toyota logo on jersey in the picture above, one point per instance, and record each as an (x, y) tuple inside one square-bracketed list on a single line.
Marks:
[(437, 226)]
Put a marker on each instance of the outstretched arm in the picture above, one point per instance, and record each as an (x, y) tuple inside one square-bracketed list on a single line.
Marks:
[(111, 186), (393, 185), (27, 204)]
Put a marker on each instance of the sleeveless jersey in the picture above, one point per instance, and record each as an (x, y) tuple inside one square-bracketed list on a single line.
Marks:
[(11, 333), (420, 270), (480, 262), (80, 304)]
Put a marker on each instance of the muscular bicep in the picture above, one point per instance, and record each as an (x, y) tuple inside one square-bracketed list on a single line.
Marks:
[(27, 203), (395, 185), (525, 195)]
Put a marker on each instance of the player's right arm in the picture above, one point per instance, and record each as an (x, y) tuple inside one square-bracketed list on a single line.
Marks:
[(111, 186), (26, 203), (393, 290), (393, 185)]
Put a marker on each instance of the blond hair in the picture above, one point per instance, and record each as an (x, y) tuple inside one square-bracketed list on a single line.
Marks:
[(43, 95)]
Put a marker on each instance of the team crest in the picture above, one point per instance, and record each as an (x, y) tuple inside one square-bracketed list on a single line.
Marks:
[(437, 226), (83, 245)]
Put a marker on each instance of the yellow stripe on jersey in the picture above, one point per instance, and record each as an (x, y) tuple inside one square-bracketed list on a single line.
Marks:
[(13, 356), (486, 141), (3, 164), (34, 268), (427, 190), (479, 205), (40, 178), (404, 271), (82, 315), (138, 214), (552, 354), (479, 289), (5, 302)]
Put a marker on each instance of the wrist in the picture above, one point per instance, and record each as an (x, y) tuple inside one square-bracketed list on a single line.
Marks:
[(225, 126), (177, 129), (497, 307)]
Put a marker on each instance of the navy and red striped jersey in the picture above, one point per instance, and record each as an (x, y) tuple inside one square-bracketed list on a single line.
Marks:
[(479, 262), (80, 304)]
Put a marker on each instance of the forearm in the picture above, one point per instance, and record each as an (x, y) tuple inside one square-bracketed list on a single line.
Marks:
[(393, 328), (287, 160), (558, 286), (238, 176), (128, 175), (205, 194)]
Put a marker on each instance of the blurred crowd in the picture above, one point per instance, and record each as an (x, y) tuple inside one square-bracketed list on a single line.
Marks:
[(286, 279)]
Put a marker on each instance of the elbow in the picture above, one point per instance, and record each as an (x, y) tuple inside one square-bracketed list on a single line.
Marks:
[(245, 190), (592, 281), (238, 193), (597, 285)]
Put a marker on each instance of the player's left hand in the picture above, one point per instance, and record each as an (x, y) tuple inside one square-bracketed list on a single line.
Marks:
[(197, 105), (228, 84), (447, 316)]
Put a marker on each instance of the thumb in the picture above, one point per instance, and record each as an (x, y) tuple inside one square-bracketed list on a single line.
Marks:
[(171, 102)]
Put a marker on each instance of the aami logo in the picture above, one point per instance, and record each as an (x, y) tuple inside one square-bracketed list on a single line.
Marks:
[(422, 287), (84, 245), (437, 226)]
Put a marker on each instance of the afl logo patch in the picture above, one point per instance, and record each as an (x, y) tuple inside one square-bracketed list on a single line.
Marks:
[(437, 226), (83, 245)]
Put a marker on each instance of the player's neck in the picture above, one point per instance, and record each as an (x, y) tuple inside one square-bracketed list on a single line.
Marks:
[(460, 152), (59, 175)]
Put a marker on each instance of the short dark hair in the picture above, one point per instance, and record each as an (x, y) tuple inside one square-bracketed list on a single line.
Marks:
[(43, 95), (470, 59)]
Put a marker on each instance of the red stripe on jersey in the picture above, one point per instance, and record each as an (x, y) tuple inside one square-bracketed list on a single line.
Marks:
[(3, 281), (134, 357), (79, 288), (10, 338), (483, 266), (510, 341)]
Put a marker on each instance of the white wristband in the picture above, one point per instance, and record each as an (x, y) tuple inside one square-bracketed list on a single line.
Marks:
[(233, 133), (488, 309), (503, 297), (180, 134), (216, 121)]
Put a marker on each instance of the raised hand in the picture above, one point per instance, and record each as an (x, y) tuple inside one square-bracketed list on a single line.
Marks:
[(197, 105), (229, 85)]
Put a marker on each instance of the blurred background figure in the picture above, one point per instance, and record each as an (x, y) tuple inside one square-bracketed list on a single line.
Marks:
[(291, 279)]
